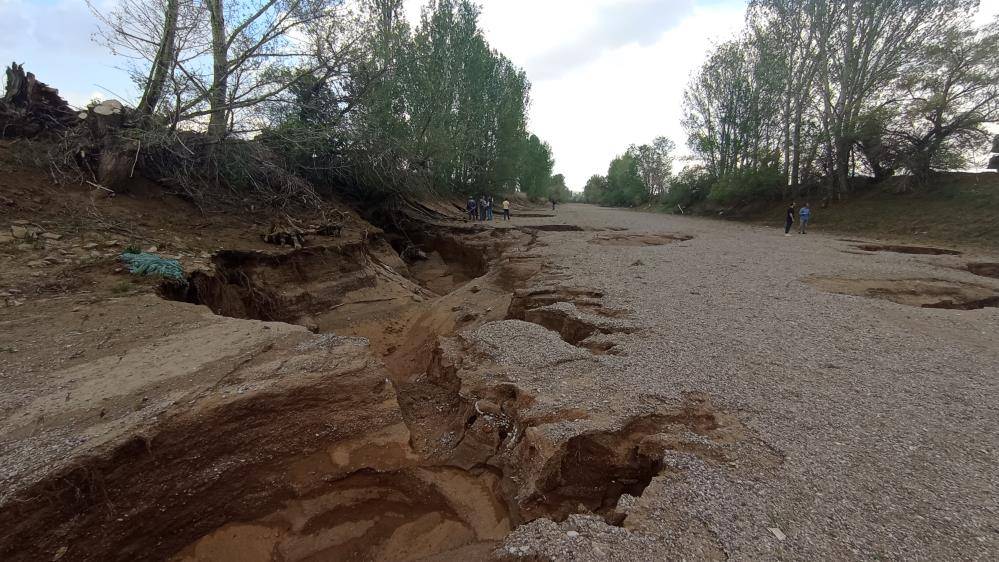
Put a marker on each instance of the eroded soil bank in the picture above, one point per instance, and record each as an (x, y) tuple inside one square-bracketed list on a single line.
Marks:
[(617, 385), (365, 407)]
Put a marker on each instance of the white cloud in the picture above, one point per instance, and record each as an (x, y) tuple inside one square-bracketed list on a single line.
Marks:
[(626, 89)]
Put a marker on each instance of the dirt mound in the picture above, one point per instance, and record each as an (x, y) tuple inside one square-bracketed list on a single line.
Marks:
[(919, 250), (925, 293), (655, 239)]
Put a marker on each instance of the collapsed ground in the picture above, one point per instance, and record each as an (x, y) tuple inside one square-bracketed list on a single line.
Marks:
[(591, 385)]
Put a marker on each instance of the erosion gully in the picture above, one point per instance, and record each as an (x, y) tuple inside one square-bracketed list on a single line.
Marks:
[(435, 466)]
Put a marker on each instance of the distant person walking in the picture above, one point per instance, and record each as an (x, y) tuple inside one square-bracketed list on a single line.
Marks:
[(553, 203), (489, 208), (470, 206), (789, 220), (482, 208), (506, 209), (804, 215)]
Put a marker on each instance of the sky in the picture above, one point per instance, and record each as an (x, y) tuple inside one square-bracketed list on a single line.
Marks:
[(605, 73)]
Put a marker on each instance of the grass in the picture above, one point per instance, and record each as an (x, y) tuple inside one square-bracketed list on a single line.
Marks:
[(122, 287)]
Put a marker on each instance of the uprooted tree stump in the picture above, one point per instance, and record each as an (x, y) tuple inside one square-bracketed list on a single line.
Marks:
[(30, 106)]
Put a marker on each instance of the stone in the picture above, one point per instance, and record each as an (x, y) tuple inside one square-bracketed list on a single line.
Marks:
[(21, 222), (110, 243), (89, 245), (52, 236), (6, 238), (25, 247), (18, 231), (37, 263), (150, 250)]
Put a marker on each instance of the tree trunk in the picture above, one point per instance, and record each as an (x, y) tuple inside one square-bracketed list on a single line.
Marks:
[(163, 61), (217, 123), (842, 168)]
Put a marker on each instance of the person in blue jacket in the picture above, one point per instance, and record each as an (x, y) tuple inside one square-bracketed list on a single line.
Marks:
[(804, 215)]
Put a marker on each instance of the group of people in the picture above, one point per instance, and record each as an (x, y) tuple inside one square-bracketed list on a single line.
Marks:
[(804, 215), (482, 209)]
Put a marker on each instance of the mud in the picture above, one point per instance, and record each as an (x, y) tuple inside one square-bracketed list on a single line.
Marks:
[(924, 293), (919, 250)]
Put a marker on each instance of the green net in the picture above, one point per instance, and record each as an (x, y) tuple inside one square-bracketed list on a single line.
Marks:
[(145, 263)]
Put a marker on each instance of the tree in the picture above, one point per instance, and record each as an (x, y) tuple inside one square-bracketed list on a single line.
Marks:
[(536, 168), (557, 190), (655, 165), (595, 189), (953, 91), (624, 185), (862, 46)]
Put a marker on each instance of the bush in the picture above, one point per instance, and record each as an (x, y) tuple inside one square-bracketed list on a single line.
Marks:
[(746, 186), (690, 187)]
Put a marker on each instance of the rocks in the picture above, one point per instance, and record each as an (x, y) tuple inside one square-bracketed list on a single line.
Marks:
[(19, 232), (51, 236)]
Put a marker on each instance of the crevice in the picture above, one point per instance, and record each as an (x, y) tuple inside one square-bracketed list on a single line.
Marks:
[(985, 269), (899, 249)]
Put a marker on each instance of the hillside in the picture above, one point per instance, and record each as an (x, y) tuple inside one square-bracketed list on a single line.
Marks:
[(958, 209)]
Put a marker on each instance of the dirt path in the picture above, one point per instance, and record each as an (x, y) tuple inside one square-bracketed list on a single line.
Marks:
[(600, 384)]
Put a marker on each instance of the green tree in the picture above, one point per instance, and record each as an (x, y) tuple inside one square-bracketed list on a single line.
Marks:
[(595, 190), (953, 92), (557, 189), (655, 165), (535, 168), (624, 184)]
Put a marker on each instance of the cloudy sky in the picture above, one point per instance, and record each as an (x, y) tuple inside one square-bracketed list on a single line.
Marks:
[(605, 73)]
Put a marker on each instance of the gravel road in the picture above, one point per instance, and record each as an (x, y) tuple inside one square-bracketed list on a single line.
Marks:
[(884, 415)]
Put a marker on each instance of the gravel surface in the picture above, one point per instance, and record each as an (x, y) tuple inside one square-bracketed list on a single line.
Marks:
[(884, 415)]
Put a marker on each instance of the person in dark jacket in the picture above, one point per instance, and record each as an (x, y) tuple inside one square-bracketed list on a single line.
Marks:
[(470, 207), (789, 220)]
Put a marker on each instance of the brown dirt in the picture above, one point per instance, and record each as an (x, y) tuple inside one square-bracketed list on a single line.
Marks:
[(925, 293), (985, 269)]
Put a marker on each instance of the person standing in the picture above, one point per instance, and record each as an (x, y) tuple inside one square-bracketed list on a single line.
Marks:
[(506, 209), (804, 215), (470, 206), (553, 203), (482, 207), (489, 208), (789, 219)]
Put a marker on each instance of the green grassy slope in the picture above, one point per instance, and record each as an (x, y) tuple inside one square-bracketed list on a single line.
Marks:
[(956, 208)]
